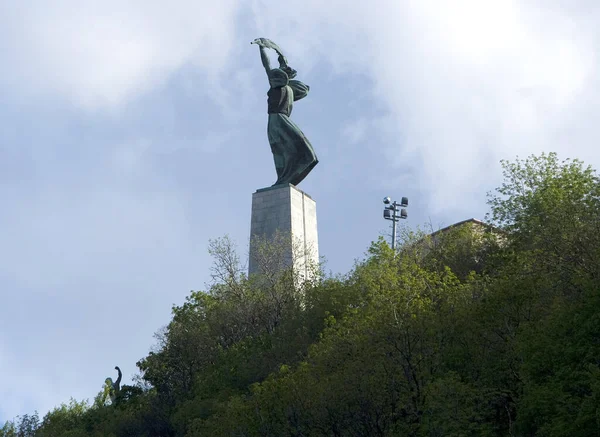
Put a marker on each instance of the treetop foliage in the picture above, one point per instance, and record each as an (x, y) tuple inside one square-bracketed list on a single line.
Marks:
[(464, 334)]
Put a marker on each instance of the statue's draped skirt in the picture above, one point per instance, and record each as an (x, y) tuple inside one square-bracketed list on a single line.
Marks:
[(293, 154)]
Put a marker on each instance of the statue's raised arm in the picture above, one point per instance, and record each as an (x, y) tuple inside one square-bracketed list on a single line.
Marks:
[(118, 381), (263, 43), (265, 59)]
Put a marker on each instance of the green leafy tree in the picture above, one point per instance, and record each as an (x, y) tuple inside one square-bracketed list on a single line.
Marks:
[(64, 419), (27, 425), (457, 334), (551, 274)]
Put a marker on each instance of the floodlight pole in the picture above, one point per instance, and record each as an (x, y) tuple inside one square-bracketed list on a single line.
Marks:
[(394, 216), (394, 222)]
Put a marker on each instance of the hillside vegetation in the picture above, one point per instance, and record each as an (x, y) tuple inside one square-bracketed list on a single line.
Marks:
[(493, 334)]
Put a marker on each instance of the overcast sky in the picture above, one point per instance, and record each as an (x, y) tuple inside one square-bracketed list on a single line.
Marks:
[(135, 131)]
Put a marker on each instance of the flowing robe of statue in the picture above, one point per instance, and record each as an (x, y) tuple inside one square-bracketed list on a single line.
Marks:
[(293, 154)]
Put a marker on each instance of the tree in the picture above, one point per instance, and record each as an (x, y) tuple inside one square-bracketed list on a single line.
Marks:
[(550, 208), (551, 274), (23, 426), (64, 419), (461, 337)]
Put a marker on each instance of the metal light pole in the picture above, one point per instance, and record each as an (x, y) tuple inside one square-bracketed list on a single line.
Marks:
[(391, 213)]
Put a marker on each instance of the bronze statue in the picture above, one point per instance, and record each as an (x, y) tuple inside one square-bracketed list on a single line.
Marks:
[(114, 387), (293, 154)]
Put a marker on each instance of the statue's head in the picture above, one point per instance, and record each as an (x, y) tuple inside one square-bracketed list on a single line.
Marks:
[(108, 381), (278, 78)]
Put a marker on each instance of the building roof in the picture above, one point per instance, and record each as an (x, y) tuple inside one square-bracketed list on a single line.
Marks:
[(471, 220)]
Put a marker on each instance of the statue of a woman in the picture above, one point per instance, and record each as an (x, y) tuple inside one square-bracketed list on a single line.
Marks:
[(292, 152), (114, 388)]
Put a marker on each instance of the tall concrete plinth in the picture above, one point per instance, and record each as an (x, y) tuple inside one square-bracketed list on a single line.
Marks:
[(291, 212)]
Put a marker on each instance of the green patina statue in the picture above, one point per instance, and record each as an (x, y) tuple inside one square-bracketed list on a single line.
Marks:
[(293, 154), (113, 388)]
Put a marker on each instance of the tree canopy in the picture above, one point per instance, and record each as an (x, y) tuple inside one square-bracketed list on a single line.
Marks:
[(475, 336)]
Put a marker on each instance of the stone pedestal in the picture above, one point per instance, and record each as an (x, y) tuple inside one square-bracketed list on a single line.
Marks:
[(285, 211)]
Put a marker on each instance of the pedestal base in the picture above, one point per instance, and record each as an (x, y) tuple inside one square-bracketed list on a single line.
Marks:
[(286, 211)]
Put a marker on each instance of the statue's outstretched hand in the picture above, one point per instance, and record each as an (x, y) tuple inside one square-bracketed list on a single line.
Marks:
[(260, 42)]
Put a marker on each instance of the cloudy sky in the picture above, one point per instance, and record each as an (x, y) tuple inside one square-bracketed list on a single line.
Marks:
[(133, 132)]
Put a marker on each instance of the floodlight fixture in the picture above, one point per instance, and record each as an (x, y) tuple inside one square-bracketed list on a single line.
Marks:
[(393, 213)]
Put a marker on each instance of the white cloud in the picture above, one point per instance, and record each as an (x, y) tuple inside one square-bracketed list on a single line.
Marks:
[(100, 54), (466, 83), (461, 85), (355, 131)]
